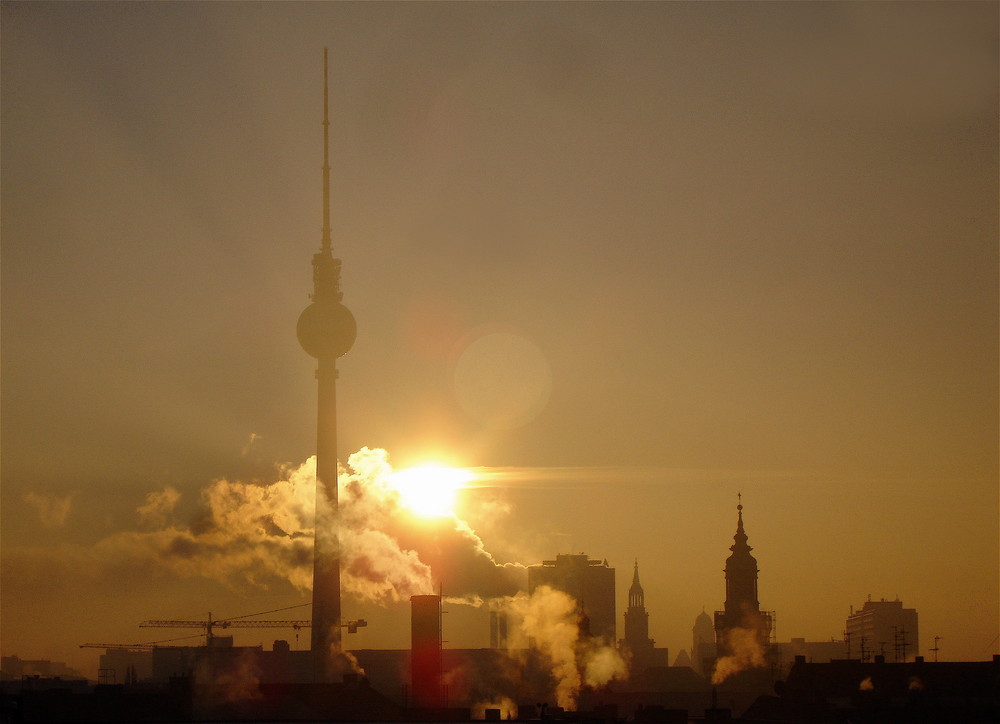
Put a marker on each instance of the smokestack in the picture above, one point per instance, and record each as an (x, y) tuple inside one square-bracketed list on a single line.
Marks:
[(425, 651)]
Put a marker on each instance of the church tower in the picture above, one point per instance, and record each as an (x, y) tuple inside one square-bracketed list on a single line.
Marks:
[(742, 608), (636, 616), (741, 575), (637, 646), (326, 330)]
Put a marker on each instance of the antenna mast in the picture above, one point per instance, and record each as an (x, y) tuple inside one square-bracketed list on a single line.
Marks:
[(327, 244), (936, 647)]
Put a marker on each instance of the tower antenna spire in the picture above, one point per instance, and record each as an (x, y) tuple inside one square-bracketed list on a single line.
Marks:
[(326, 244)]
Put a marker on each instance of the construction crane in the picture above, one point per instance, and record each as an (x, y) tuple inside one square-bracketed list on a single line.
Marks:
[(144, 646), (209, 625), (120, 647)]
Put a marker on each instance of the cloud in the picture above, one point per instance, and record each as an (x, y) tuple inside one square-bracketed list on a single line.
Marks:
[(259, 534), (158, 507), (404, 555), (51, 509)]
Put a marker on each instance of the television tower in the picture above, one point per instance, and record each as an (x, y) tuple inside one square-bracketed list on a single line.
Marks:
[(326, 330)]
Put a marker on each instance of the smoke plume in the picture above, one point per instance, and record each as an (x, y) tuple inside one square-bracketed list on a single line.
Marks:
[(389, 553), (746, 652), (551, 621)]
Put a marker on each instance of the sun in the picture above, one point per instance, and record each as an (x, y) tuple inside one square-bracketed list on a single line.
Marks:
[(430, 490)]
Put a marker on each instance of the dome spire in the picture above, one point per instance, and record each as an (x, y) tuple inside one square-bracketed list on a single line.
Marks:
[(740, 539)]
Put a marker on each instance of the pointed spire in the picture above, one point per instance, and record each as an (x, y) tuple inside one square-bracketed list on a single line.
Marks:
[(636, 596), (740, 539)]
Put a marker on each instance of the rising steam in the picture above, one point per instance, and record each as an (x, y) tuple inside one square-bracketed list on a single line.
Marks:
[(551, 621), (746, 652)]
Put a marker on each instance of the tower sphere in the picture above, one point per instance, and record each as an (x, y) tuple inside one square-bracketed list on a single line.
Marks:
[(326, 329)]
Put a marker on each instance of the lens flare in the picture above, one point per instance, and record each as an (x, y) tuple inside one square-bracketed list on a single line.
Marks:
[(430, 491)]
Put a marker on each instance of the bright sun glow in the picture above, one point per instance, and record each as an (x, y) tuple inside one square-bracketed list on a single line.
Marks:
[(430, 490)]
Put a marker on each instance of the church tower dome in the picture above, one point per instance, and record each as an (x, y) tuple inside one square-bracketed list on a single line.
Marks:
[(741, 573)]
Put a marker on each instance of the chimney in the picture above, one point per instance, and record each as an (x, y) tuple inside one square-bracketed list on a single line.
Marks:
[(425, 651)]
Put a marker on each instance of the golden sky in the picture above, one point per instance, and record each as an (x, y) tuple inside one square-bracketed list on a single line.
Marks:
[(640, 256)]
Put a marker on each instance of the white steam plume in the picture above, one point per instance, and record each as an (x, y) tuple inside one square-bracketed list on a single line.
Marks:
[(550, 619), (746, 652)]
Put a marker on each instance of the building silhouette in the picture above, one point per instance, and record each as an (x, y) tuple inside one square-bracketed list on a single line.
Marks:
[(326, 330), (851, 691), (786, 653), (590, 582), (638, 647), (702, 643), (883, 628), (741, 612)]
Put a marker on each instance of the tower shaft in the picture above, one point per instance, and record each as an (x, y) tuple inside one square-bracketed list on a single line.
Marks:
[(326, 551)]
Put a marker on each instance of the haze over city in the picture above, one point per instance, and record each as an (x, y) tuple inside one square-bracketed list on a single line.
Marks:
[(618, 261)]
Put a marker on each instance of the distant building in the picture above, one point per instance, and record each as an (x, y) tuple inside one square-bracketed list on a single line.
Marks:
[(684, 659), (13, 668), (818, 652), (883, 628), (637, 646), (590, 582), (703, 643), (123, 665)]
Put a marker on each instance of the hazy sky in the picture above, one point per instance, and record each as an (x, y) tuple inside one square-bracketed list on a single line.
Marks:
[(643, 256)]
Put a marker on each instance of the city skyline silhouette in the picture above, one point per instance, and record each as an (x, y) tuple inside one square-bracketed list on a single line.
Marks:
[(622, 262)]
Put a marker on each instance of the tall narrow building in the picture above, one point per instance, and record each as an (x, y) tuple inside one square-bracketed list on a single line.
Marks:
[(326, 330), (742, 608)]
